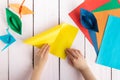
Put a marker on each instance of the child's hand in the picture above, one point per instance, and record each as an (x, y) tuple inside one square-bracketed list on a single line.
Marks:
[(40, 60), (76, 59), (42, 56)]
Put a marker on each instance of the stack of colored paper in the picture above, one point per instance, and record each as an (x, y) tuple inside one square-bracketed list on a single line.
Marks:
[(109, 53), (105, 17)]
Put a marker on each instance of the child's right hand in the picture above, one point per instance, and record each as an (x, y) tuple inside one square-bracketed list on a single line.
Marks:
[(76, 59)]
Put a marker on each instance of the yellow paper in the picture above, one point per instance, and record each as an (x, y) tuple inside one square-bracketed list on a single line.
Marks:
[(102, 20), (59, 38), (24, 10)]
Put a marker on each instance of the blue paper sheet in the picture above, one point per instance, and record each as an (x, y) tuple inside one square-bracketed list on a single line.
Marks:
[(109, 54), (8, 39), (94, 40), (89, 21)]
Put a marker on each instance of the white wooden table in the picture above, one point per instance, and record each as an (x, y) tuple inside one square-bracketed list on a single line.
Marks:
[(16, 61)]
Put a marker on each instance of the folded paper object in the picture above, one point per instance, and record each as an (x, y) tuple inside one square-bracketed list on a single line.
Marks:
[(14, 21), (59, 38), (88, 21), (7, 39)]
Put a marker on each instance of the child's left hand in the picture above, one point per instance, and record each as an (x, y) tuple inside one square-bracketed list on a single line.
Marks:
[(40, 60), (42, 56)]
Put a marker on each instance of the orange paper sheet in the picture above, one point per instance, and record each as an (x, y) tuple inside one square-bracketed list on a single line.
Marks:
[(102, 19)]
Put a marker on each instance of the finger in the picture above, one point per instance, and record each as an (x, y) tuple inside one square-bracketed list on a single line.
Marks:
[(47, 50), (76, 51), (69, 55), (42, 49), (70, 61), (71, 58), (72, 52), (37, 52), (79, 53)]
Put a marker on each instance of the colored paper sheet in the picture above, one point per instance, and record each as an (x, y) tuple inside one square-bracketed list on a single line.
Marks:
[(88, 5), (113, 4), (59, 38), (89, 21), (24, 10), (14, 21), (109, 54), (8, 39), (102, 19), (94, 40)]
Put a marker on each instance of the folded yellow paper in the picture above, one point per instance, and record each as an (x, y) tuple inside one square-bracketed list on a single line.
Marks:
[(59, 38)]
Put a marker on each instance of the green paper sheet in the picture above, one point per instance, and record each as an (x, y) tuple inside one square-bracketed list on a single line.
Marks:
[(14, 21), (109, 54), (113, 4)]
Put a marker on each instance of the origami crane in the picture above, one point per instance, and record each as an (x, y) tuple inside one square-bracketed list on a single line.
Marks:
[(8, 39), (59, 38), (20, 9), (14, 21), (89, 21), (24, 9)]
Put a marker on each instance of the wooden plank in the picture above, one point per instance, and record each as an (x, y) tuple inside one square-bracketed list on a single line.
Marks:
[(66, 70), (115, 74), (46, 16), (4, 65), (4, 54), (101, 72), (20, 54)]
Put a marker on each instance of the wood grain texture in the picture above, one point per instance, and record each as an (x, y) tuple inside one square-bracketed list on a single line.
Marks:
[(66, 70), (115, 74), (101, 72), (3, 55), (16, 62), (45, 17), (20, 54)]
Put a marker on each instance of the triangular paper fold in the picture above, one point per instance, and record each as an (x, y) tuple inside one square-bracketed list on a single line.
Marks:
[(113, 4)]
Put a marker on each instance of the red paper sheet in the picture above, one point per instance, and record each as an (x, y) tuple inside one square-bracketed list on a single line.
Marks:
[(88, 5)]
